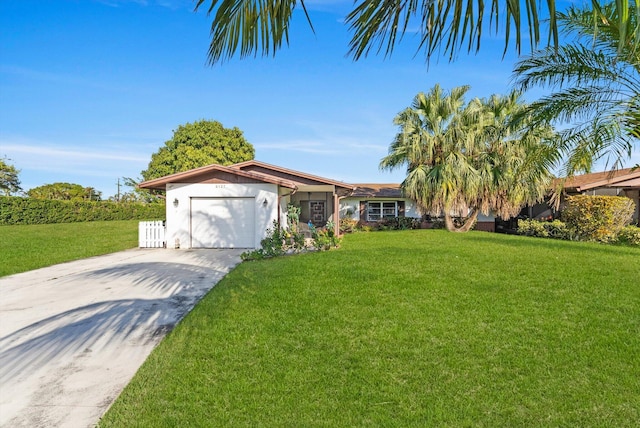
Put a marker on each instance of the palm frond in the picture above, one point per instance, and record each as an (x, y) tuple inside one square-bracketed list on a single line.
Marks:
[(246, 27), (379, 25), (590, 141), (574, 64), (595, 84), (577, 104), (250, 27)]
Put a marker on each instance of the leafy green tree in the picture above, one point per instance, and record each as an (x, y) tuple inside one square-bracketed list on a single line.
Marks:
[(198, 144), (466, 158), (595, 87), (248, 27), (65, 191), (9, 181)]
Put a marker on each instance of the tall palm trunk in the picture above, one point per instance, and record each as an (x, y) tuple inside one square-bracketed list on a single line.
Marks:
[(466, 226)]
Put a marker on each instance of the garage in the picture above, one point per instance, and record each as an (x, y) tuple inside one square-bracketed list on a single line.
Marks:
[(216, 206), (222, 222)]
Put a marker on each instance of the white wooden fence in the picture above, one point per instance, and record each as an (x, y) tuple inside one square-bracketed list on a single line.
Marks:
[(151, 234)]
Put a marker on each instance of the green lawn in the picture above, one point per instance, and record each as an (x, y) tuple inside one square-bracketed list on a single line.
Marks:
[(398, 329), (27, 247)]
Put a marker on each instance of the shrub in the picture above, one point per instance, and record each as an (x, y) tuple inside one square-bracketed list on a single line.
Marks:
[(293, 217), (348, 225), (439, 223), (365, 228), (598, 218), (401, 223), (558, 229), (325, 238), (530, 227), (395, 223), (629, 235), (278, 242), (544, 229)]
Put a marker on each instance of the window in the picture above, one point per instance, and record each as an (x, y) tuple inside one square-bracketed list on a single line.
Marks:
[(379, 210)]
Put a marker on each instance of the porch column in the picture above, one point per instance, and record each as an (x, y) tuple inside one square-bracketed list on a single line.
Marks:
[(336, 214)]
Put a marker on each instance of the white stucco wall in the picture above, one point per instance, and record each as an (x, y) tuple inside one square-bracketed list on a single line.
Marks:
[(353, 205), (179, 217)]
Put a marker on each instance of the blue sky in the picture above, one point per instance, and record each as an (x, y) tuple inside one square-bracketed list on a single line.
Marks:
[(89, 89)]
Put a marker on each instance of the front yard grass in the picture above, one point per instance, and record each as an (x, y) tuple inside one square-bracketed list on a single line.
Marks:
[(27, 247), (412, 328)]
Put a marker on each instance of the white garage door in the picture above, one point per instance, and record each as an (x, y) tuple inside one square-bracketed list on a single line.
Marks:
[(222, 222)]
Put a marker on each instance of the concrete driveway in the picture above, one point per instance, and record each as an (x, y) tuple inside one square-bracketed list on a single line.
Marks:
[(73, 335)]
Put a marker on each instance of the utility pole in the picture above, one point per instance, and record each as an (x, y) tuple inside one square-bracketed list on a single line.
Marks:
[(118, 195)]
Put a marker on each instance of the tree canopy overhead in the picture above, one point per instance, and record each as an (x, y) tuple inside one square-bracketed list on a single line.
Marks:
[(198, 144), (250, 27), (594, 87)]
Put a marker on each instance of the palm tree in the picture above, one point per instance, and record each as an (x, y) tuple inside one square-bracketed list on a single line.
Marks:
[(595, 87), (466, 158), (251, 26)]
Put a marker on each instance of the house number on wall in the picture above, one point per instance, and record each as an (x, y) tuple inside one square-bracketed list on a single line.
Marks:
[(220, 186)]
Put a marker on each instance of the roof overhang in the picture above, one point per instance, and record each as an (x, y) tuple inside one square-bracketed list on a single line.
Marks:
[(317, 188), (631, 180), (634, 183), (318, 181), (189, 176)]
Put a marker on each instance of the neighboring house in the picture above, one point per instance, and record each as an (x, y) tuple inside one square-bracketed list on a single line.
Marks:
[(232, 206), (623, 182), (374, 202)]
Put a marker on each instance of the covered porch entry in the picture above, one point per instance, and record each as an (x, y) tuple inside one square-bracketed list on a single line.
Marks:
[(317, 197)]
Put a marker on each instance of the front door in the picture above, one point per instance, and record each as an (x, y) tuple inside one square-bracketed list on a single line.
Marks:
[(317, 211)]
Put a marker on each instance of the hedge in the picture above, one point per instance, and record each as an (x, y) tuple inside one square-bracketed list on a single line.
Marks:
[(545, 229), (17, 210)]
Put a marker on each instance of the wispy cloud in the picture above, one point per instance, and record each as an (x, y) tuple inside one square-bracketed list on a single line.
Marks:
[(328, 147), (314, 147), (30, 74), (334, 138), (97, 165), (50, 154), (58, 78)]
